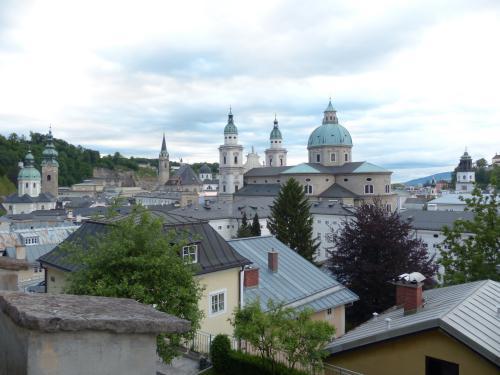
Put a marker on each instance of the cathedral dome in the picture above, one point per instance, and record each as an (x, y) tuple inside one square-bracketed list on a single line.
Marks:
[(276, 132), (329, 134), (29, 173)]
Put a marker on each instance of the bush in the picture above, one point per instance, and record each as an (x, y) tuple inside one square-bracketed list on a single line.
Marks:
[(219, 351), (239, 363)]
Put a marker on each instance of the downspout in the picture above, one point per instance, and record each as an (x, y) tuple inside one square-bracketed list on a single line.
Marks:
[(242, 275)]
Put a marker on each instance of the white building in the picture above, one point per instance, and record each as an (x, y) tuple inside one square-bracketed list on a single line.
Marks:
[(466, 177), (276, 153)]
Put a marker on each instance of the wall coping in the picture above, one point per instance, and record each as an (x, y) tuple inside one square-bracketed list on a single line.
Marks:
[(65, 312), (11, 264)]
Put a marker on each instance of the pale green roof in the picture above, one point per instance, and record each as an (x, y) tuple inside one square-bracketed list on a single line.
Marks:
[(330, 134), (301, 168), (369, 168), (29, 173)]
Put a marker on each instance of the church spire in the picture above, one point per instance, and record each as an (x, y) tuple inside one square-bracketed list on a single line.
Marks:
[(163, 152), (330, 114)]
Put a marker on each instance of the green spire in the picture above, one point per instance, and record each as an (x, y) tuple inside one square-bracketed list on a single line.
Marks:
[(275, 133), (230, 128), (50, 153)]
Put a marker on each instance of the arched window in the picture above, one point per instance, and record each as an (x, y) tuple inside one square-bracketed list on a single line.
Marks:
[(281, 162), (34, 185), (27, 185), (368, 189), (224, 160), (235, 160), (308, 189), (49, 177), (318, 158), (346, 157)]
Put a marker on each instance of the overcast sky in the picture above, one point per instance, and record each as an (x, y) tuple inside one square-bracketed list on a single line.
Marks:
[(414, 82)]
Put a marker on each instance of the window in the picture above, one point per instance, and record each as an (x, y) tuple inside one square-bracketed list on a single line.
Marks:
[(53, 279), (368, 189), (270, 161), (281, 162), (49, 177), (190, 253), (346, 179), (436, 235), (34, 184), (219, 227), (235, 160), (308, 189), (27, 185), (236, 187), (318, 158), (224, 160), (217, 302), (369, 179), (329, 311), (434, 366), (333, 157), (346, 157), (224, 188), (387, 189), (388, 207)]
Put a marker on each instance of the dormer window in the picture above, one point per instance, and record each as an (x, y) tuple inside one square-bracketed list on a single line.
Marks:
[(31, 240), (190, 254)]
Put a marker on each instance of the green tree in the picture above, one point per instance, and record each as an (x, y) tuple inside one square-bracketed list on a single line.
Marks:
[(256, 226), (303, 339), (481, 163), (470, 250), (291, 221), (136, 259), (245, 230)]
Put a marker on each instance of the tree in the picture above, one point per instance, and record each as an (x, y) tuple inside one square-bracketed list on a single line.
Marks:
[(481, 163), (291, 221), (256, 226), (245, 230), (303, 339), (283, 330), (136, 259), (470, 250), (371, 249)]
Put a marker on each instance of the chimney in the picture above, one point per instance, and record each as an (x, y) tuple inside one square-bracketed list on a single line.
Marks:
[(272, 260), (388, 323), (409, 292), (251, 278)]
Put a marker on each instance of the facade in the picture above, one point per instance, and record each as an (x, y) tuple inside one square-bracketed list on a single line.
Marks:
[(466, 177), (276, 153), (220, 267), (35, 191), (163, 164), (231, 167), (454, 332), (279, 274)]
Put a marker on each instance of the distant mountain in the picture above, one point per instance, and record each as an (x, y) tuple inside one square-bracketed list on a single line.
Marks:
[(438, 176)]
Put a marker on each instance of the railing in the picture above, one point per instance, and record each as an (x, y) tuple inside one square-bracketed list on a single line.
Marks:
[(202, 340), (335, 370)]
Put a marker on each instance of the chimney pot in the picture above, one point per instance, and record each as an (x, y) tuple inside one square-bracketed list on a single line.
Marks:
[(388, 323), (375, 316), (272, 260)]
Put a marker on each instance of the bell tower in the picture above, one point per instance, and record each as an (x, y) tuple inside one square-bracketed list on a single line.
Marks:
[(163, 164), (276, 153), (50, 167)]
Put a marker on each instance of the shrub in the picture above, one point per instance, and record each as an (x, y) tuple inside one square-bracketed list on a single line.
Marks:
[(219, 351), (240, 363)]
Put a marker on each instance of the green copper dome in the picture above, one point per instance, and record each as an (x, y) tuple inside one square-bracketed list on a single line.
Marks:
[(330, 135), (50, 153), (275, 133), (230, 128), (29, 173)]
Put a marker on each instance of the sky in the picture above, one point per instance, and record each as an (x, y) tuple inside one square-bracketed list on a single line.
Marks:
[(414, 82)]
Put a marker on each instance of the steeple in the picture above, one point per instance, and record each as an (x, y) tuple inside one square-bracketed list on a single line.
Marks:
[(330, 114), (275, 133), (163, 151), (50, 167), (50, 153), (230, 128)]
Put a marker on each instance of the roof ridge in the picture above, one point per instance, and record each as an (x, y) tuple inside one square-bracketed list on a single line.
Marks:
[(481, 283), (249, 238)]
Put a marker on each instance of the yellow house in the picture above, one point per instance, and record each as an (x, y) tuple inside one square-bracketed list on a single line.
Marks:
[(445, 331), (280, 274), (220, 267)]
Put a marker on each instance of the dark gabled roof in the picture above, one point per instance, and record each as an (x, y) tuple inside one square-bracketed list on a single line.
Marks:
[(184, 176), (42, 198), (214, 253), (435, 220), (338, 191), (331, 208), (265, 171), (268, 190), (205, 169)]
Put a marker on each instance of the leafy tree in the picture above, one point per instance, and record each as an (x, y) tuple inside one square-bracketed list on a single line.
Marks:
[(256, 226), (245, 230), (303, 339), (291, 221), (283, 330), (136, 259), (470, 250), (371, 249), (481, 163)]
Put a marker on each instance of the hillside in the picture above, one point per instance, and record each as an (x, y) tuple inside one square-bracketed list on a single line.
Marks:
[(76, 163), (438, 176)]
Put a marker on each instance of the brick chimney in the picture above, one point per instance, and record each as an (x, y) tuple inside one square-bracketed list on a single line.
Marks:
[(409, 293), (251, 278), (272, 260)]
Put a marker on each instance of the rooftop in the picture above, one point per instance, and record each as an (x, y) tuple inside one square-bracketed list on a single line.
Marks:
[(467, 312), (297, 283), (435, 220), (65, 312)]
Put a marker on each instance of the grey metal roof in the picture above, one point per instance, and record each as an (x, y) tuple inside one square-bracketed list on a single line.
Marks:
[(214, 253), (42, 198), (468, 312), (265, 171), (435, 220), (184, 176), (297, 282), (338, 191), (416, 201), (229, 209), (331, 208), (270, 190)]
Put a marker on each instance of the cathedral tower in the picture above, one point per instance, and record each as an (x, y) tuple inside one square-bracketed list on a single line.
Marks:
[(231, 168), (466, 176), (163, 164), (276, 154), (50, 167), (29, 179)]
